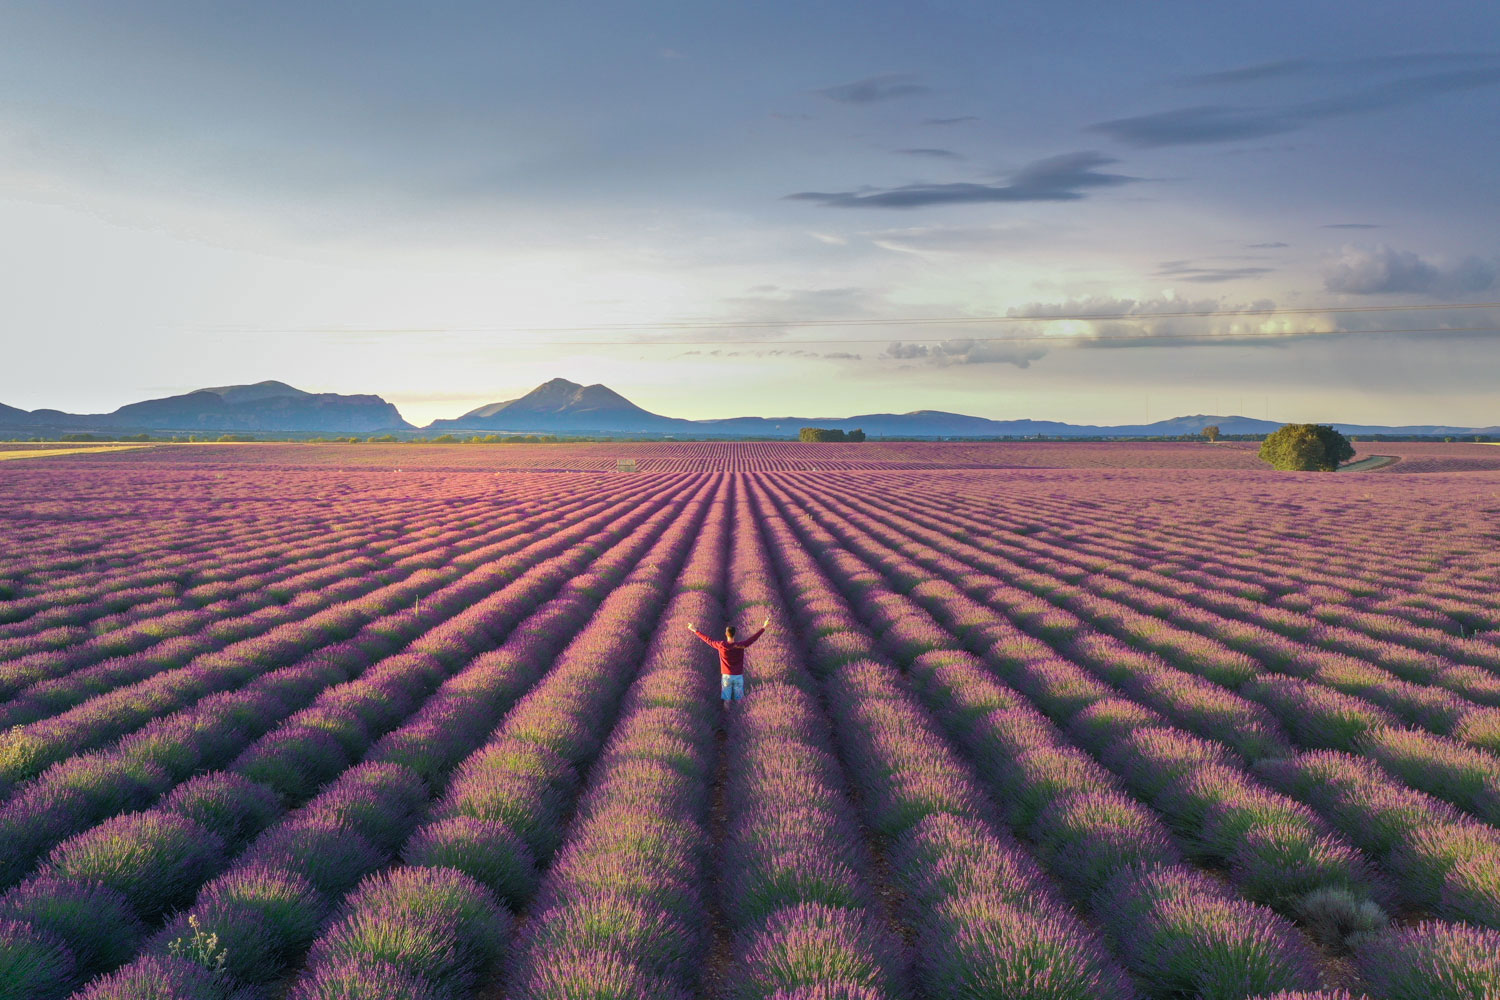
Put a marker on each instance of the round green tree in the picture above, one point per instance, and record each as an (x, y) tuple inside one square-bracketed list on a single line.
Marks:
[(1306, 448)]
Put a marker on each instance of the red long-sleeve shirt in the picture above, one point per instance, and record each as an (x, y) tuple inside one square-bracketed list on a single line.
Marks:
[(731, 654)]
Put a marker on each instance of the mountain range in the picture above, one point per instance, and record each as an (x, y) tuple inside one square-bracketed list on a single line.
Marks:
[(563, 407), (263, 407)]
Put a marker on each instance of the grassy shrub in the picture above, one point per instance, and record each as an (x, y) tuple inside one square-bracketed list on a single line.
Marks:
[(34, 964), (1432, 961), (486, 851), (260, 917), (809, 944), (96, 923), (361, 978), (151, 977), (435, 924), (588, 975), (155, 860), (976, 947), (227, 804), (1472, 890), (329, 856)]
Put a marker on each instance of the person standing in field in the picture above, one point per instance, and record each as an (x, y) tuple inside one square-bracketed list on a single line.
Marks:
[(731, 660)]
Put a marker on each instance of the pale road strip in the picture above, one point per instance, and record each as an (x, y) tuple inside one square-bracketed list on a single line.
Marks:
[(1373, 462)]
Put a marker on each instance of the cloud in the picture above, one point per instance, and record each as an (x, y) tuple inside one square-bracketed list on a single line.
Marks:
[(1206, 123), (1247, 74), (1225, 123), (1350, 225), (1164, 321), (1277, 69), (965, 351), (956, 239), (875, 88), (1057, 178), (950, 121), (1266, 246), (940, 154), (1383, 270), (1185, 270)]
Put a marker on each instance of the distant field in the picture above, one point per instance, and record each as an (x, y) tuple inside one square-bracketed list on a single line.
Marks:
[(1032, 719)]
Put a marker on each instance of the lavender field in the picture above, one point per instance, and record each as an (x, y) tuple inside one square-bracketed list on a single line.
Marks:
[(1031, 720)]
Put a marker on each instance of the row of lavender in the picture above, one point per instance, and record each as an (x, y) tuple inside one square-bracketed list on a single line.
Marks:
[(239, 589), (1177, 933), (326, 621), (439, 925), (1439, 854), (199, 550), (135, 853), (1423, 654), (1206, 795)]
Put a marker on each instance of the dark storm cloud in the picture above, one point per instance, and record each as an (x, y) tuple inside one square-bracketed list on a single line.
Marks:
[(875, 88), (1185, 270), (1382, 270), (1057, 178), (1226, 123), (937, 154)]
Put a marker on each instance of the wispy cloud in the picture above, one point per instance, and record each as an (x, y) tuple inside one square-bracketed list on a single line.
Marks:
[(928, 151), (1058, 178), (1248, 74), (958, 119), (1202, 124), (1350, 225), (873, 89), (963, 351), (956, 239), (1186, 270), (1277, 69), (1211, 123), (1266, 246)]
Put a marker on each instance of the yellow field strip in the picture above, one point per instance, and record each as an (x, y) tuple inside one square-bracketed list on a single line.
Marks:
[(49, 452)]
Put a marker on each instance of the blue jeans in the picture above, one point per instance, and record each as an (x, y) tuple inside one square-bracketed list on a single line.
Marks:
[(732, 687)]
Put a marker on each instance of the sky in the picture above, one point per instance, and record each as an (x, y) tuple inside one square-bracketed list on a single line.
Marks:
[(777, 208)]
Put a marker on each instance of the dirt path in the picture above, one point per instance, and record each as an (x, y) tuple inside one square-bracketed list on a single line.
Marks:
[(1371, 463), (720, 953)]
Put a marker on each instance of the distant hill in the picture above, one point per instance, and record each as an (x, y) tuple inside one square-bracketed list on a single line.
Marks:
[(265, 406), (563, 407)]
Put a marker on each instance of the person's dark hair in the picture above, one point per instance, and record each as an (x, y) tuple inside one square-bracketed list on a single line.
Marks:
[(729, 632)]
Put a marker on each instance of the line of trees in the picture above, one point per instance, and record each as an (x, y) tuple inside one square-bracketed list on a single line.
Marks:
[(829, 434)]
